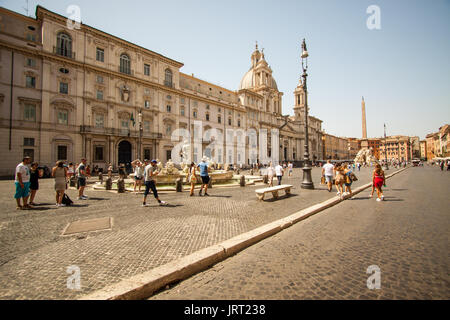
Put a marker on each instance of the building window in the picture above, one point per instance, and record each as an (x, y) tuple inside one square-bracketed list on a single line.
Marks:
[(168, 154), (99, 120), (207, 107), (99, 79), (146, 69), (182, 111), (28, 153), (219, 119), (98, 154), (147, 153), (147, 104), (168, 129), (31, 62), (239, 122), (125, 64), (229, 121), (62, 152), (125, 123), (168, 78), (30, 82), (63, 116), (182, 100), (207, 117), (28, 142), (63, 88), (146, 125), (168, 108), (100, 55), (64, 70), (99, 94), (29, 112), (194, 114), (64, 45)]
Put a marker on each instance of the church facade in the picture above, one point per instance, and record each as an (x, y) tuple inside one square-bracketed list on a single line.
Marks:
[(67, 93)]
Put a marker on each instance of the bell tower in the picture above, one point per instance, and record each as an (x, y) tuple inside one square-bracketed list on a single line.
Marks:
[(299, 105)]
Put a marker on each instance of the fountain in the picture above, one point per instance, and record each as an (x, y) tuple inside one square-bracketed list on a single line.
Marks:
[(365, 156)]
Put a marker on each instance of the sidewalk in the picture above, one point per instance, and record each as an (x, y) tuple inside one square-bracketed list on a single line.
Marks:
[(34, 256)]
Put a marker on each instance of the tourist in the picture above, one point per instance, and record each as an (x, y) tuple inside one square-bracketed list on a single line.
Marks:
[(359, 166), (328, 172), (442, 166), (348, 180), (290, 167), (22, 182), (378, 180), (110, 168), (59, 172), (150, 172), (34, 181), (448, 165), (192, 177), (270, 174), (71, 170), (203, 166), (279, 171), (138, 174), (340, 180), (81, 175)]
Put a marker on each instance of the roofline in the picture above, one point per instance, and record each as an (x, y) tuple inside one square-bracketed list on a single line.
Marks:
[(19, 15), (206, 82), (45, 10)]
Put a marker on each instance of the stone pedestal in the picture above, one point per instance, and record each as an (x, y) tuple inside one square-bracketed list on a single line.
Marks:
[(242, 181), (179, 184), (120, 185), (108, 184)]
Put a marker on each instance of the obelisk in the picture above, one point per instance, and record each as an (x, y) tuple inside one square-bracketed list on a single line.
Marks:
[(364, 142)]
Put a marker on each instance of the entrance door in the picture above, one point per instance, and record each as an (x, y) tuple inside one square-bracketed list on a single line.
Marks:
[(124, 152)]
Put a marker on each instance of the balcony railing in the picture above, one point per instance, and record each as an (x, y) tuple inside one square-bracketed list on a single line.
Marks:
[(63, 52), (119, 132), (169, 84), (125, 70)]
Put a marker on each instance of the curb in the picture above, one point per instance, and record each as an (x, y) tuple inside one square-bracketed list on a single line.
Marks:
[(142, 286)]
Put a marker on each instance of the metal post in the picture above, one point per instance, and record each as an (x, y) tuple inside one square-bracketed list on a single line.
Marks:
[(386, 167), (307, 180)]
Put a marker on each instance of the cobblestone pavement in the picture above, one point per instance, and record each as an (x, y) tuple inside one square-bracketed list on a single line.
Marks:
[(34, 256), (327, 255)]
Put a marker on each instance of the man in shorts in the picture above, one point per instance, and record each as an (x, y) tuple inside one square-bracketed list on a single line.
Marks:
[(328, 172), (22, 182), (203, 166), (81, 175), (150, 172)]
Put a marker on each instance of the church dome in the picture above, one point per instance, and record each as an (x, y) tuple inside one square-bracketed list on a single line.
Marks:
[(249, 81)]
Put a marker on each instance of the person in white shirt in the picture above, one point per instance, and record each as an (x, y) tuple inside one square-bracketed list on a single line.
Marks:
[(270, 174), (328, 172), (279, 171), (22, 182), (290, 167)]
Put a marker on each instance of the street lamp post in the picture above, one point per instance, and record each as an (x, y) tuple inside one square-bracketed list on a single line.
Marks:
[(140, 133), (307, 180), (385, 150)]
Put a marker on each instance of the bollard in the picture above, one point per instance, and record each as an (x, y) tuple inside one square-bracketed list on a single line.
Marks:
[(100, 177), (108, 184), (242, 182), (120, 185), (179, 184), (72, 181)]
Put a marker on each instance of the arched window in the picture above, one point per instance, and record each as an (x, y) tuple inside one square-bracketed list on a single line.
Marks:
[(125, 64), (64, 45), (168, 78)]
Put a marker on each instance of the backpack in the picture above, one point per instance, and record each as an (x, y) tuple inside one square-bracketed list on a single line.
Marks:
[(66, 200)]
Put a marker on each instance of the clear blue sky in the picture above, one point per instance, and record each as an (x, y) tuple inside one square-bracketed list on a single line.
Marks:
[(402, 70)]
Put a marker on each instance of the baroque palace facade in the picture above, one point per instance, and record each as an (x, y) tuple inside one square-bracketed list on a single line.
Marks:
[(67, 93)]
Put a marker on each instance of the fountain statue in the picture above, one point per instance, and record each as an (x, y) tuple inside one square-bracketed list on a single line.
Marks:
[(365, 156)]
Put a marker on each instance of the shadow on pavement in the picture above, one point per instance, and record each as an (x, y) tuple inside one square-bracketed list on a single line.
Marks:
[(280, 197), (216, 196), (91, 198)]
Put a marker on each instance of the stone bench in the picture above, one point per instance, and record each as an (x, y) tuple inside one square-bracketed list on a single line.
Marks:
[(274, 190)]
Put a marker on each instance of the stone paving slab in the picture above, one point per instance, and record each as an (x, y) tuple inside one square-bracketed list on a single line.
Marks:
[(34, 257)]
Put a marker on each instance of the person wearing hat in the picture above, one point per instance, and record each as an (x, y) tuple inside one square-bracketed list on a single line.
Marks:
[(150, 172), (204, 176)]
